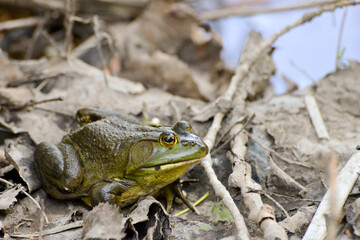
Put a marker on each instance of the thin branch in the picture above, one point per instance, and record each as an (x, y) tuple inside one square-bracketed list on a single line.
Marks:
[(241, 11), (20, 23), (32, 103), (281, 174), (54, 230), (229, 140), (276, 203), (316, 118)]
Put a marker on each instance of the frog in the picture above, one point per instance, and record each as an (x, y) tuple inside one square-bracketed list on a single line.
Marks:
[(115, 158)]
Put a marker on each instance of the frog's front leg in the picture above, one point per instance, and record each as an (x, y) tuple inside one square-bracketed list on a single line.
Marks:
[(114, 191), (59, 169)]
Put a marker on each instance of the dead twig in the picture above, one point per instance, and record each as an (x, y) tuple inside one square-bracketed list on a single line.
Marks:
[(316, 118), (278, 155), (241, 11), (20, 23), (276, 203), (241, 129), (54, 230), (52, 41), (284, 176), (295, 198), (32, 103), (344, 183), (228, 130), (28, 195)]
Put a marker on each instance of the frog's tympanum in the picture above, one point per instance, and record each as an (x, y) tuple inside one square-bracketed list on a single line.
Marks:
[(116, 159)]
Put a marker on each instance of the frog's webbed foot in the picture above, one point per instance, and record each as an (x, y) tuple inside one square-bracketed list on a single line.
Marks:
[(175, 189), (112, 191)]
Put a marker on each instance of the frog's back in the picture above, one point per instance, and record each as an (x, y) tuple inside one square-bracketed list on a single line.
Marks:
[(104, 145)]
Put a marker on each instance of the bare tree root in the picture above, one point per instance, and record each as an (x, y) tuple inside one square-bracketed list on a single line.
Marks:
[(241, 169)]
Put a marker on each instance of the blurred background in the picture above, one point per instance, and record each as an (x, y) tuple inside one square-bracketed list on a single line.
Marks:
[(305, 54)]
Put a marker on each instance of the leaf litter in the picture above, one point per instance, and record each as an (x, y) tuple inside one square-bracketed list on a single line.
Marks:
[(169, 67)]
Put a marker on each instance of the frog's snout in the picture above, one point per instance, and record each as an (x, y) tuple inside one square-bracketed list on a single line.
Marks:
[(196, 143)]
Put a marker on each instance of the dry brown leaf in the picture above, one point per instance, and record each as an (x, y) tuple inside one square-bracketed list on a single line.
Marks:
[(104, 222), (8, 197), (155, 223), (19, 152)]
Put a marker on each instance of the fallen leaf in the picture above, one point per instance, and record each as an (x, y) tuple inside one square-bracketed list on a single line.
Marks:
[(150, 220), (8, 197), (19, 151), (104, 222)]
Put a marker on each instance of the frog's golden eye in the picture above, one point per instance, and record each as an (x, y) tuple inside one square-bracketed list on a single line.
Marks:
[(168, 139)]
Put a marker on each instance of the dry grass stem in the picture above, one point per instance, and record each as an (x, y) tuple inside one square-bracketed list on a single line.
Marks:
[(316, 118), (339, 53), (344, 183)]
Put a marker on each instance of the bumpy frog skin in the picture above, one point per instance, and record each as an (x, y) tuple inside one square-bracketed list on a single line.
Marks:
[(116, 160)]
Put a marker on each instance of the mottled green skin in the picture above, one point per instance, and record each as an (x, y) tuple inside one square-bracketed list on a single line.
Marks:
[(115, 160)]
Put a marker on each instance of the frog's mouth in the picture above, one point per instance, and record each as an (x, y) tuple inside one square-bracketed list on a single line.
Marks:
[(168, 166)]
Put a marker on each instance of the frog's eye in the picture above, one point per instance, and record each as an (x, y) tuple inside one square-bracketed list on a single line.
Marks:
[(168, 139)]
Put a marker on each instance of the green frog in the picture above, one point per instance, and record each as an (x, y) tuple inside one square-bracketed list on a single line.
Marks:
[(114, 158)]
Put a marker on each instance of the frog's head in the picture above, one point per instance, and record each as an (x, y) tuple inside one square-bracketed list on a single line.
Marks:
[(167, 156)]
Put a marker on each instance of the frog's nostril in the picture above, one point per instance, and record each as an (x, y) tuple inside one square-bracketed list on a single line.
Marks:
[(188, 143), (185, 143)]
